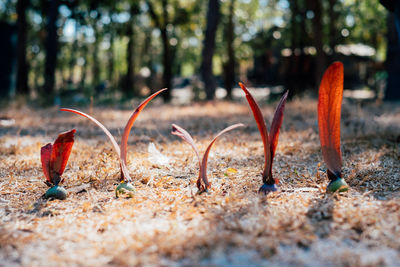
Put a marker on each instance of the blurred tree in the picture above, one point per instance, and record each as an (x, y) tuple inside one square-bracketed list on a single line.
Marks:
[(129, 88), (8, 54), (393, 51), (98, 37), (84, 69), (316, 7), (110, 55), (333, 31), (22, 65), (213, 14), (74, 46), (161, 22), (51, 46), (100, 40), (294, 14), (229, 66), (166, 17)]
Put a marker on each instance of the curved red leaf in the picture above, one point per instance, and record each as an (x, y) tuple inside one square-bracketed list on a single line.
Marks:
[(129, 124), (124, 169), (276, 125), (329, 109), (263, 131), (202, 182)]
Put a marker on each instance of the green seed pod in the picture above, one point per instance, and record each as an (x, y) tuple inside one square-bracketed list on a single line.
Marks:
[(124, 190), (57, 192), (337, 185)]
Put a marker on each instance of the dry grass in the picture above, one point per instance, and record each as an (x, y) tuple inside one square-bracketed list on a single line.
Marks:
[(167, 223)]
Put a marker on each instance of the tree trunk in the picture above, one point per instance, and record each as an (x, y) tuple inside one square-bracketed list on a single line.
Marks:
[(167, 59), (229, 67), (213, 15), (96, 63), (111, 60), (332, 26), (147, 53), (51, 47), (291, 74), (84, 67), (294, 10), (129, 81), (392, 63), (74, 48), (22, 65), (318, 40), (397, 19), (167, 62), (110, 54)]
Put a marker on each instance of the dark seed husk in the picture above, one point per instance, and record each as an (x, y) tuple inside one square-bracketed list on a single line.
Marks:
[(124, 190), (337, 185), (57, 192)]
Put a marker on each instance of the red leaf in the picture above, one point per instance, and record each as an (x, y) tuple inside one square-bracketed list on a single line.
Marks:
[(59, 155), (124, 169), (202, 182), (329, 109), (45, 155), (263, 132), (276, 125), (129, 124), (182, 133)]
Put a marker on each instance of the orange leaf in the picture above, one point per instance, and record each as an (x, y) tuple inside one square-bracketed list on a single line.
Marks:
[(329, 109)]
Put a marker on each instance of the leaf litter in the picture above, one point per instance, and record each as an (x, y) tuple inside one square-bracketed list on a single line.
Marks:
[(166, 223)]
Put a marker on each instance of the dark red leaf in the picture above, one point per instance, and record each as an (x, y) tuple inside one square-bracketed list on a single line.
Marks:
[(276, 125), (45, 155), (263, 131)]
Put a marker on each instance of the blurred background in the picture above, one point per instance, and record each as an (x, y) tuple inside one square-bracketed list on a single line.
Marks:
[(59, 51)]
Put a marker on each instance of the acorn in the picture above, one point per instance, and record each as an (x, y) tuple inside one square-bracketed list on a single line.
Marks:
[(124, 190)]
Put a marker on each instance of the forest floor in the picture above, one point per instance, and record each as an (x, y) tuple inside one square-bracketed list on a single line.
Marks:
[(167, 224)]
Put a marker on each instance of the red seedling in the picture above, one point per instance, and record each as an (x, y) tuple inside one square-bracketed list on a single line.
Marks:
[(329, 109), (202, 182), (126, 186), (54, 159), (270, 142)]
